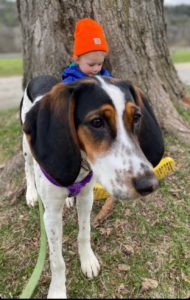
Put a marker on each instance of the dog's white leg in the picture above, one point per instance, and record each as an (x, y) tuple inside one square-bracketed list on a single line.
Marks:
[(69, 201), (53, 204), (89, 263), (31, 192)]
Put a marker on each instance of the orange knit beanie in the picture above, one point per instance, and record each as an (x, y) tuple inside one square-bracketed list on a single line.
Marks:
[(88, 36)]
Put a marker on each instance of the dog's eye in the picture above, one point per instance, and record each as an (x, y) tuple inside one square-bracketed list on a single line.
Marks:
[(137, 118), (97, 122), (136, 121)]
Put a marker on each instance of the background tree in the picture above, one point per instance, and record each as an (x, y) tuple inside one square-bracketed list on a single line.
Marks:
[(136, 33)]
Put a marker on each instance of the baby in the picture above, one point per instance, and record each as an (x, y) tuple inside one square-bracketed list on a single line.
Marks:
[(90, 50)]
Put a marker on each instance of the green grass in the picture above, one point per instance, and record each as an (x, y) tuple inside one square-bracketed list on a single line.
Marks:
[(180, 55), (10, 133), (11, 66), (155, 227), (184, 112), (13, 232)]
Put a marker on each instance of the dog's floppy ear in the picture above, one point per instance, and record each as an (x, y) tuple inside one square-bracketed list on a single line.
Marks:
[(150, 135), (51, 133)]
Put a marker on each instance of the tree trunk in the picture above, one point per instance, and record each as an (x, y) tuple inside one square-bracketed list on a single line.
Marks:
[(136, 34)]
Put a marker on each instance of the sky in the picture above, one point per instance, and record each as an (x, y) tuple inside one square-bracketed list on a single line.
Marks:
[(176, 2)]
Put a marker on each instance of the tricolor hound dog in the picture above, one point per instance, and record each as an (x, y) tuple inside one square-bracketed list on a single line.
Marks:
[(104, 122)]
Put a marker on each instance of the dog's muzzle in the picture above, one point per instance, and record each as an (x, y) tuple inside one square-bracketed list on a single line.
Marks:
[(145, 184)]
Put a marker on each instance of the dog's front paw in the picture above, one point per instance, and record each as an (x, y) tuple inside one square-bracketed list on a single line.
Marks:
[(31, 196), (89, 264), (57, 292)]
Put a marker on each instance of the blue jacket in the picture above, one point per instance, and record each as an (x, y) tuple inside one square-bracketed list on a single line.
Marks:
[(73, 73)]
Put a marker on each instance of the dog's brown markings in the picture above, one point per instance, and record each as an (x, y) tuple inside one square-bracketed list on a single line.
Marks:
[(87, 141), (139, 96), (129, 115), (109, 112), (64, 107), (88, 80)]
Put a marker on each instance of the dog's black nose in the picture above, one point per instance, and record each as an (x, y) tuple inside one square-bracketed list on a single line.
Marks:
[(146, 184)]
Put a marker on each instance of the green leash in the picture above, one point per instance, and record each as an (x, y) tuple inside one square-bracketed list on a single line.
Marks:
[(33, 281)]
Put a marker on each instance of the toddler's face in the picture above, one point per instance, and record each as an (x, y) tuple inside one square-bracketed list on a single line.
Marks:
[(91, 63)]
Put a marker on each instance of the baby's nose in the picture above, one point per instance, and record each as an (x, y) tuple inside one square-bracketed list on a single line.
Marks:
[(96, 69)]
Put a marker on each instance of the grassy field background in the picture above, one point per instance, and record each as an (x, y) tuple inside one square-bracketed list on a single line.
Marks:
[(10, 66), (143, 246), (180, 55)]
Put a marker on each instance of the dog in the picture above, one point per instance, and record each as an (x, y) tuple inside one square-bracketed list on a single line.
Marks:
[(96, 129)]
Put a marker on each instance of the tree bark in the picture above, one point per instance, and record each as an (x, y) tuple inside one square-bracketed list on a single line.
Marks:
[(136, 34), (12, 180)]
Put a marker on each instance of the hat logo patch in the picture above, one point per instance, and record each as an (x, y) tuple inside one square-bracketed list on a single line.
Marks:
[(97, 41)]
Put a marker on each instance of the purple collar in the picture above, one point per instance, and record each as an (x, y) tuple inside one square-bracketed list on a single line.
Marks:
[(75, 188)]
